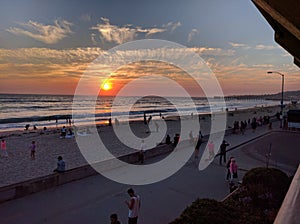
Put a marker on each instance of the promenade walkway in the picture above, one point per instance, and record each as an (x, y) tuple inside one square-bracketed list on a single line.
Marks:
[(93, 199)]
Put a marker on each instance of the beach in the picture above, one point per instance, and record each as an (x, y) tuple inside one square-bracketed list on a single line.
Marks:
[(18, 166)]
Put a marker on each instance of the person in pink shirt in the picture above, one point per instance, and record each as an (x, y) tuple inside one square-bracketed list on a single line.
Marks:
[(233, 170), (211, 150), (3, 148)]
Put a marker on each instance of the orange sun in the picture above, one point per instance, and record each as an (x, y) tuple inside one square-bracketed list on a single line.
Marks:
[(107, 86)]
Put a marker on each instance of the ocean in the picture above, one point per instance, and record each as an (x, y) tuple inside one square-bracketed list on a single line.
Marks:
[(17, 110)]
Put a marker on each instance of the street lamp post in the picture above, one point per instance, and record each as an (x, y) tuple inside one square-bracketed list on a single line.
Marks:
[(282, 85)]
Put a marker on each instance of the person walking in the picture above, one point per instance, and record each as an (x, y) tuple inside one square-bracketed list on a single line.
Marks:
[(32, 148), (133, 205), (3, 148), (223, 151)]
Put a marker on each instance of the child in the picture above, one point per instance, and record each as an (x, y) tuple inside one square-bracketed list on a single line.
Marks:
[(32, 149), (3, 148)]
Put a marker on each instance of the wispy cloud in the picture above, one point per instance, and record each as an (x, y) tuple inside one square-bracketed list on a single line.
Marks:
[(265, 47), (121, 34), (172, 26), (49, 34), (257, 47), (19, 68), (209, 51), (48, 56), (93, 36), (191, 35), (239, 45), (263, 65)]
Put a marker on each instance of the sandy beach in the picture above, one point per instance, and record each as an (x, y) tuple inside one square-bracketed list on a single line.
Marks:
[(18, 166)]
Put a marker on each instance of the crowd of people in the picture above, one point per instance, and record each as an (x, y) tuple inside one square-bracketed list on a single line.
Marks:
[(241, 126)]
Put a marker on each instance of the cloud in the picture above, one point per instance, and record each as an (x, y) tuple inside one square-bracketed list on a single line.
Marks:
[(151, 31), (265, 47), (209, 51), (172, 26), (49, 34), (257, 47), (239, 45), (113, 33), (19, 68), (193, 33), (93, 36), (48, 56), (121, 34), (263, 65)]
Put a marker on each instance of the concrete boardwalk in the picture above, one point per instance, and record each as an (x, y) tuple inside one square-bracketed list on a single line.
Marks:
[(93, 199)]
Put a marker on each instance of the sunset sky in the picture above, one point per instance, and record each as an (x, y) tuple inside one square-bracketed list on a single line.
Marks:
[(45, 46)]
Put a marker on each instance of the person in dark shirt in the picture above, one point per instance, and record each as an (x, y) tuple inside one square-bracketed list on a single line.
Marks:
[(168, 140), (114, 219), (223, 151)]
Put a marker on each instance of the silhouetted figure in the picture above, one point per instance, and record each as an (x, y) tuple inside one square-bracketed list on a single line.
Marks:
[(197, 148), (117, 122), (27, 127), (145, 118), (149, 119), (223, 151), (176, 140), (168, 140)]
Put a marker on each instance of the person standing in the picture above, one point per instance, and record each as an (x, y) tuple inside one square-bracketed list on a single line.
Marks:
[(233, 170), (133, 205), (223, 151), (197, 147), (63, 132), (228, 168), (32, 148), (145, 118), (211, 150), (3, 148), (142, 152)]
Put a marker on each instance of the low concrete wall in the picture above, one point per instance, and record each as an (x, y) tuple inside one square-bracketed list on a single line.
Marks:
[(22, 189)]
